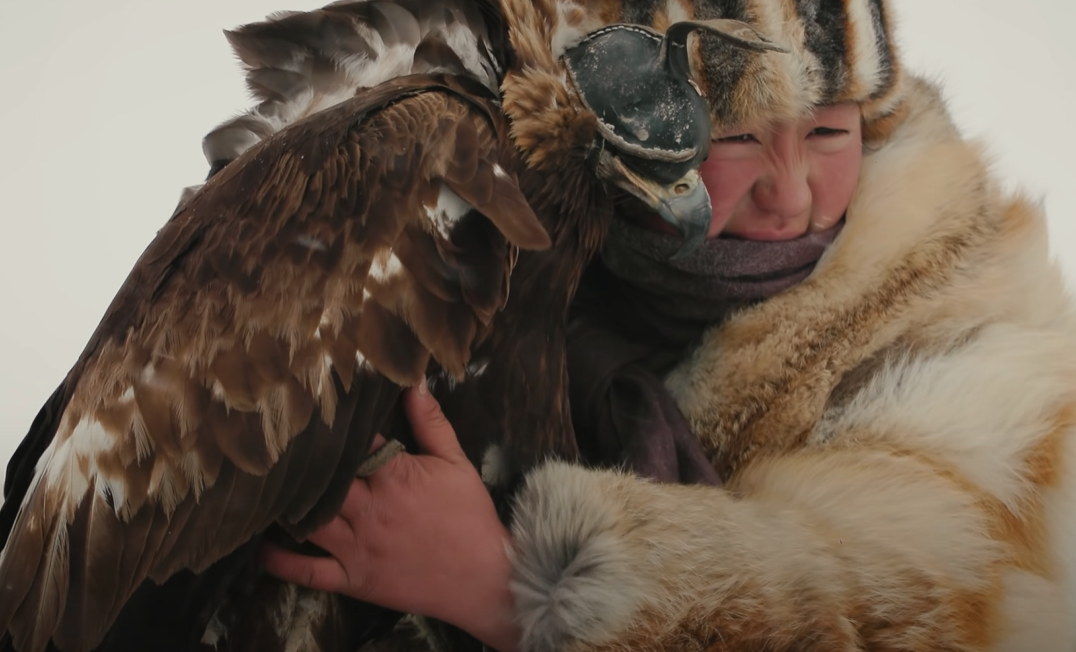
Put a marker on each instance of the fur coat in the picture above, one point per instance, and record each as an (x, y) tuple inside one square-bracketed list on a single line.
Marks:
[(899, 435), (898, 432)]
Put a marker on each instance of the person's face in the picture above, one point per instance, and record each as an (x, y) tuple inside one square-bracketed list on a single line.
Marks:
[(779, 181)]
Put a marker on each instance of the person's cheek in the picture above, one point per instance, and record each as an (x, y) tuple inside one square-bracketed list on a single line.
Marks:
[(727, 182), (834, 182)]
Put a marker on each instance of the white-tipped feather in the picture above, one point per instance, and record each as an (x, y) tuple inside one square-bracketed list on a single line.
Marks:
[(297, 91), (298, 617), (449, 209), (385, 267)]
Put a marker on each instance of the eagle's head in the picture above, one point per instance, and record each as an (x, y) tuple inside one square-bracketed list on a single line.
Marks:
[(618, 98), (653, 123)]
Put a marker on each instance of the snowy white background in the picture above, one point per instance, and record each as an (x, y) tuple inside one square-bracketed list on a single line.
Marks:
[(103, 105)]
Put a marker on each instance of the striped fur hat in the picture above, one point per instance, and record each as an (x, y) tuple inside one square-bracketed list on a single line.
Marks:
[(840, 50)]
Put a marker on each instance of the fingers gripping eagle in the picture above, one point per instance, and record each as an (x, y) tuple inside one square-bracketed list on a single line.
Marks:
[(409, 162)]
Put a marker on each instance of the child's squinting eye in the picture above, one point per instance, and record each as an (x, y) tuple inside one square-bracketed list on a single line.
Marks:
[(827, 131), (738, 138)]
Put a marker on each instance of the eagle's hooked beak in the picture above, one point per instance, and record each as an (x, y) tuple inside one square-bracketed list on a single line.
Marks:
[(683, 204)]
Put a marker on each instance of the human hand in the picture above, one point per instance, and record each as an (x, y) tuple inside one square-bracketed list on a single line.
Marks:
[(420, 535)]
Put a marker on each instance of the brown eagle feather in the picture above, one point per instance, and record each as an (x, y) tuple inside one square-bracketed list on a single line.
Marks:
[(261, 339), (238, 377)]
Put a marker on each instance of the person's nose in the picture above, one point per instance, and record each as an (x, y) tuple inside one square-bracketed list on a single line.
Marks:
[(782, 190)]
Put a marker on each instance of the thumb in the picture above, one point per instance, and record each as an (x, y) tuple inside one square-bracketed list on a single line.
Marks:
[(433, 433)]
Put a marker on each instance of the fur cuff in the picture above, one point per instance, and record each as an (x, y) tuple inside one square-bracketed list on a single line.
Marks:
[(576, 576)]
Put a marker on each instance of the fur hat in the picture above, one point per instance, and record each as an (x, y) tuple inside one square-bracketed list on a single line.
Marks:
[(840, 50)]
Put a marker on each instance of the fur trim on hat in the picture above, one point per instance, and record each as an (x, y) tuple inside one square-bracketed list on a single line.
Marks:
[(840, 50)]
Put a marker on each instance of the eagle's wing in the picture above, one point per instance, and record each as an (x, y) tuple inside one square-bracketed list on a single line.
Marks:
[(241, 371), (299, 63)]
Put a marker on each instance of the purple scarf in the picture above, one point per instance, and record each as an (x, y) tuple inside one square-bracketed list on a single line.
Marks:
[(637, 314), (722, 274)]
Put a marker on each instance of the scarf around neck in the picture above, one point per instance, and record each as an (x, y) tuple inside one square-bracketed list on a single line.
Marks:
[(720, 275), (635, 317)]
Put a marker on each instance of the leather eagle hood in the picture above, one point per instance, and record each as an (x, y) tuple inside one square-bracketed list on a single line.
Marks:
[(638, 83)]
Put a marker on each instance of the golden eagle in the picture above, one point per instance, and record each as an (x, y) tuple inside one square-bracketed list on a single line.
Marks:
[(417, 194)]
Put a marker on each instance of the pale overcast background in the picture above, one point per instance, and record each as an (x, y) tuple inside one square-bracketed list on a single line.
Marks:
[(103, 105)]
